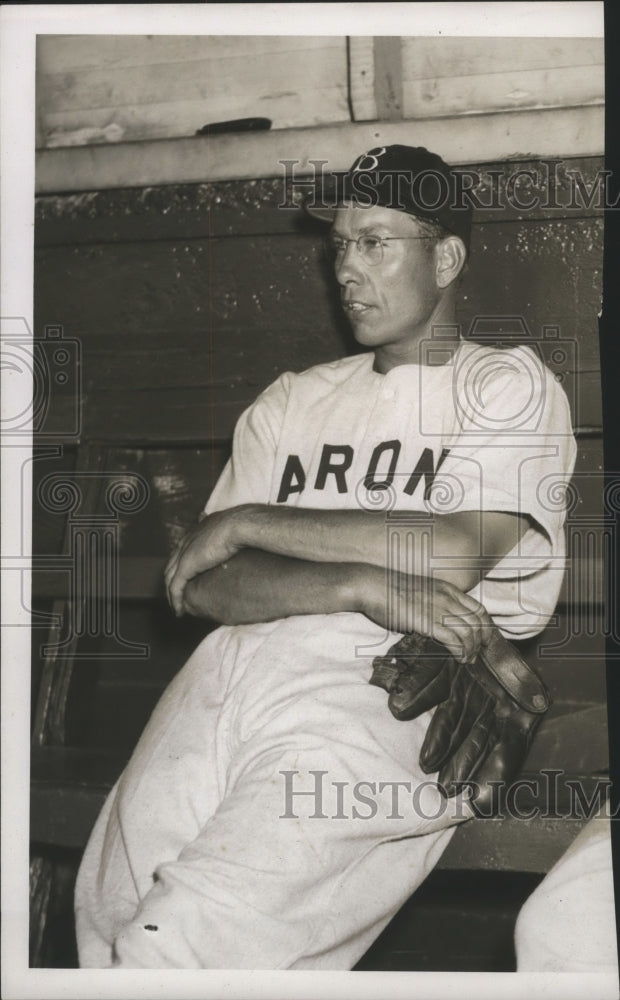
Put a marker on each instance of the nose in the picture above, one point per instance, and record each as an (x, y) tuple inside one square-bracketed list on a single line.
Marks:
[(348, 267)]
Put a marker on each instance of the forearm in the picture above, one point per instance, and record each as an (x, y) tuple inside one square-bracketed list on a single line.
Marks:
[(459, 548), (255, 586)]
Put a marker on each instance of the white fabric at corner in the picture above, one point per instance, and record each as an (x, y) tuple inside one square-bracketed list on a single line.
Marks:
[(569, 923)]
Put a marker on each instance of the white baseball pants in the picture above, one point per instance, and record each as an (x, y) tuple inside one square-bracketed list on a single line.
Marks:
[(208, 854)]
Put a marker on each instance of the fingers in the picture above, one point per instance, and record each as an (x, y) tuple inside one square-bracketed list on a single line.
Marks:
[(469, 632), (175, 593), (459, 630), (453, 638), (479, 616), (176, 575), (181, 567), (471, 607), (171, 565), (462, 621), (175, 586)]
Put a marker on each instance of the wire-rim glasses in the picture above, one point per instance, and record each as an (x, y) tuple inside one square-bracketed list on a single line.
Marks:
[(370, 248)]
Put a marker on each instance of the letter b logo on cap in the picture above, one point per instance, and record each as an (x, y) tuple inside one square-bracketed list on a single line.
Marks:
[(369, 160)]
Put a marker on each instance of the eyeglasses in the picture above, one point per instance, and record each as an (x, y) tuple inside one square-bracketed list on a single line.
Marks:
[(370, 248)]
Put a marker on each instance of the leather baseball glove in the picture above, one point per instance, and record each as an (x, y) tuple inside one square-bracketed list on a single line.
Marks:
[(486, 712)]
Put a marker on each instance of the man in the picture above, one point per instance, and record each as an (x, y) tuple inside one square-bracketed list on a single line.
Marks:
[(274, 814)]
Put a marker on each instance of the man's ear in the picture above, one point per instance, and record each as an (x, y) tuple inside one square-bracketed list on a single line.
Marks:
[(450, 257)]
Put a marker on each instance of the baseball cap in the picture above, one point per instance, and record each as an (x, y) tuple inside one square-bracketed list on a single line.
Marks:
[(406, 178)]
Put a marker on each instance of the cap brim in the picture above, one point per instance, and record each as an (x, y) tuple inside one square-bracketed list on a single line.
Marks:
[(320, 212)]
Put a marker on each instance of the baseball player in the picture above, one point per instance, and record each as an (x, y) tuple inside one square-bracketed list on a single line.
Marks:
[(275, 814)]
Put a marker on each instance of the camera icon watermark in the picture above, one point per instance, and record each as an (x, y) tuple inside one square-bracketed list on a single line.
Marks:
[(42, 381), (502, 379)]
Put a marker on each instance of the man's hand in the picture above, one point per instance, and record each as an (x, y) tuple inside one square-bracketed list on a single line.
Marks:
[(464, 545), (430, 607), (486, 712), (211, 543)]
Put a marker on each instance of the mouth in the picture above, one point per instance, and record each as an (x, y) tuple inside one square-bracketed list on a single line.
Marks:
[(354, 307)]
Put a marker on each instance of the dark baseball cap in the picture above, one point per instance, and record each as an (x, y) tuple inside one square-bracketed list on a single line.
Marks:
[(406, 178)]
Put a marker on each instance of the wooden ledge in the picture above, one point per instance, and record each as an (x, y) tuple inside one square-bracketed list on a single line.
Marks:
[(462, 139)]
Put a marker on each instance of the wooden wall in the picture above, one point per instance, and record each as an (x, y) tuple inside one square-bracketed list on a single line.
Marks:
[(429, 77), (113, 88), (94, 89)]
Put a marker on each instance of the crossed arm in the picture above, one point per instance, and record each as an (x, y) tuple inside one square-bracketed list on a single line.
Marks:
[(258, 562)]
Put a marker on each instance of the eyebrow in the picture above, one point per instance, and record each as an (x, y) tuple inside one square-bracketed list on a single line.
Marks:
[(373, 229)]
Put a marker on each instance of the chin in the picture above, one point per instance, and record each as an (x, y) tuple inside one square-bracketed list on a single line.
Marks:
[(366, 333), (370, 338), (366, 340)]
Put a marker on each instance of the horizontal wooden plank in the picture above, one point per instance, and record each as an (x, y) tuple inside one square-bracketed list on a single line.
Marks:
[(229, 208), (572, 663), (177, 118), (487, 138), (576, 741), (207, 410), (228, 362), (425, 58), (65, 53), (245, 76), (184, 417), (504, 91), (547, 273), (239, 361), (64, 816), (68, 789), (510, 844)]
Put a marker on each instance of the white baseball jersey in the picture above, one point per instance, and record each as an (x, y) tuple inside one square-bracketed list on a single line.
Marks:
[(274, 815), (489, 431)]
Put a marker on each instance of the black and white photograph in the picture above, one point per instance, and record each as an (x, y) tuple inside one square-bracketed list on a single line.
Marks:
[(309, 526)]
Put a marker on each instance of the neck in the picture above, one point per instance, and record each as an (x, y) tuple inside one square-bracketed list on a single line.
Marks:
[(434, 344)]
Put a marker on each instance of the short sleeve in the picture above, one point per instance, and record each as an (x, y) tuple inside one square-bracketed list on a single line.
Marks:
[(249, 471), (502, 459), (514, 451)]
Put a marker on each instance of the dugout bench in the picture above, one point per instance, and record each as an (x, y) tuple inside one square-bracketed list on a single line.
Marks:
[(175, 306)]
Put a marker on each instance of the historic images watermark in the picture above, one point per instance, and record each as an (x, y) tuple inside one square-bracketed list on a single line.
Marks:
[(546, 796), (551, 185)]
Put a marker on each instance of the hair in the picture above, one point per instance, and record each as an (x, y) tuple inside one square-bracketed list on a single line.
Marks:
[(437, 232)]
